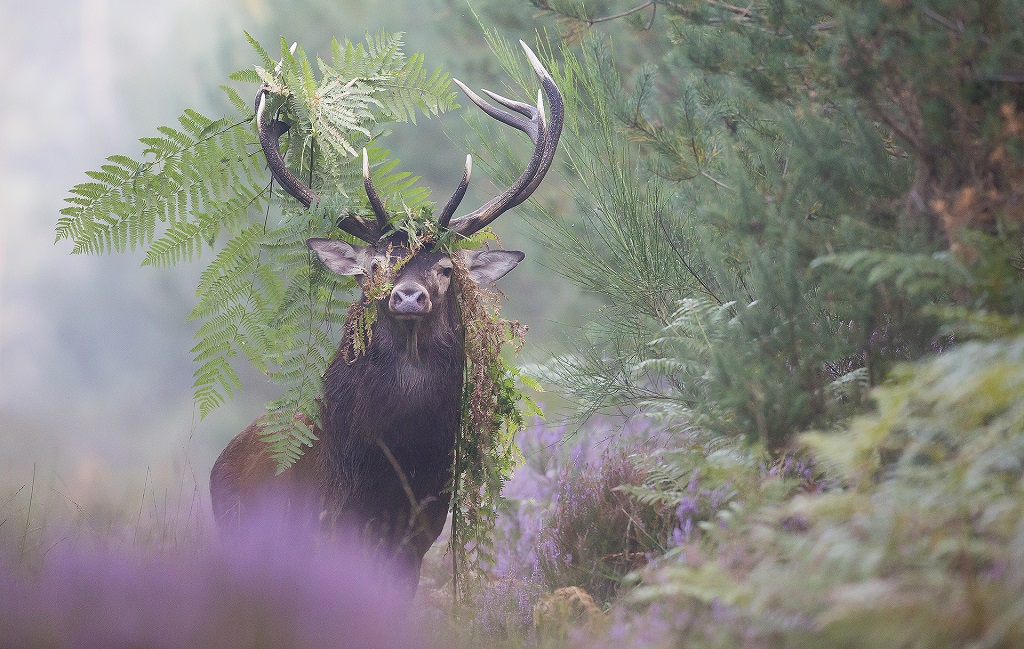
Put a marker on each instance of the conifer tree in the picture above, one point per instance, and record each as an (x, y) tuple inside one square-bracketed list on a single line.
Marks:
[(779, 202)]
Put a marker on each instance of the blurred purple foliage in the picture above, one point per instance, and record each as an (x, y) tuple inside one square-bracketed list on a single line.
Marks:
[(698, 504), (597, 533), (563, 524), (504, 608), (267, 588)]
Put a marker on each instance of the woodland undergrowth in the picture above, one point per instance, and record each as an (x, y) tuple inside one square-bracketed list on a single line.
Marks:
[(803, 223)]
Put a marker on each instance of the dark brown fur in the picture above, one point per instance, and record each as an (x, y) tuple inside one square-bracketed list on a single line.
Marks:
[(401, 396)]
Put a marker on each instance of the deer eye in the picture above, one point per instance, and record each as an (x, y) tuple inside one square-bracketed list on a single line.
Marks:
[(446, 271)]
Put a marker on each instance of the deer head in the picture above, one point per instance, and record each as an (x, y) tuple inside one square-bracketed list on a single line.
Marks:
[(531, 120)]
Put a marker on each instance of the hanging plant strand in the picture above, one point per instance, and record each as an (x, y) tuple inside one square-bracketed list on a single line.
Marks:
[(485, 452)]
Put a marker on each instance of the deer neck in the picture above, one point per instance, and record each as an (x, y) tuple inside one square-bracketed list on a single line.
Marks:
[(425, 341), (409, 340)]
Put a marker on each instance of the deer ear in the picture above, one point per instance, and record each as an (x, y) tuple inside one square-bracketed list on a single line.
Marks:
[(340, 257), (487, 266)]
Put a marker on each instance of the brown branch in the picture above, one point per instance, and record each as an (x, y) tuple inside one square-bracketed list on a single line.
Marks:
[(640, 7), (416, 513), (739, 11)]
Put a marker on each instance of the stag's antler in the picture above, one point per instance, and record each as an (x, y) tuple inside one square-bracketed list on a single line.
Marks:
[(270, 134), (543, 132)]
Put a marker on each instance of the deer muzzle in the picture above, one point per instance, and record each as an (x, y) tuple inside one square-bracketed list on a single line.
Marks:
[(409, 300)]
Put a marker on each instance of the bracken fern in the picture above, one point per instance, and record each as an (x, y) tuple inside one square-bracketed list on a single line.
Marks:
[(201, 185)]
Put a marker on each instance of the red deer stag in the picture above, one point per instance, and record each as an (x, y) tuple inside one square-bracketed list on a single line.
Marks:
[(390, 416)]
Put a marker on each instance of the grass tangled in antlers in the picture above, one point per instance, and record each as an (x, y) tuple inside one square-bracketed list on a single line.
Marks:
[(485, 452)]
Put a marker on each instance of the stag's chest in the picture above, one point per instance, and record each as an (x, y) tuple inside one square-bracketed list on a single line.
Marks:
[(395, 399), (412, 384)]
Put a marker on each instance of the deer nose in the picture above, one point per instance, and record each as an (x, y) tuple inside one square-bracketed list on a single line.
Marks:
[(409, 300)]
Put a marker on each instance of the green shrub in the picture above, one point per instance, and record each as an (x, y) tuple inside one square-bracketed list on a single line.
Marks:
[(921, 544)]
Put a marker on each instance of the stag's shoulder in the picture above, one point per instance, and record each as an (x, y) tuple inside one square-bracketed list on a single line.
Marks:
[(245, 462)]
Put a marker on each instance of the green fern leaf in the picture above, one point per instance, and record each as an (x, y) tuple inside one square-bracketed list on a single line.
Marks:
[(200, 184)]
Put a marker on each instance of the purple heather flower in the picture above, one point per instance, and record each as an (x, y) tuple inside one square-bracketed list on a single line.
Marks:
[(265, 588), (688, 506)]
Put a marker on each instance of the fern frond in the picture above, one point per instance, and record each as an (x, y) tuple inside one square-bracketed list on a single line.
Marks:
[(183, 172), (201, 184), (384, 68), (262, 53)]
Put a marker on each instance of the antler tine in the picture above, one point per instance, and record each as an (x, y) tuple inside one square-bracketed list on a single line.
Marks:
[(371, 193), (460, 192), (515, 121), (270, 136), (553, 124), (518, 106), (543, 133)]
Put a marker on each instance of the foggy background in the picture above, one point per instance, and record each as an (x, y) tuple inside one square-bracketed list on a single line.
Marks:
[(95, 369)]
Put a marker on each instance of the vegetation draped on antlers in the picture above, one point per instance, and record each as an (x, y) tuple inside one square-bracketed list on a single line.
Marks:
[(542, 130)]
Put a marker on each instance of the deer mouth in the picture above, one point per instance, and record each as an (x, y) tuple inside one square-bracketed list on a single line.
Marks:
[(408, 316)]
